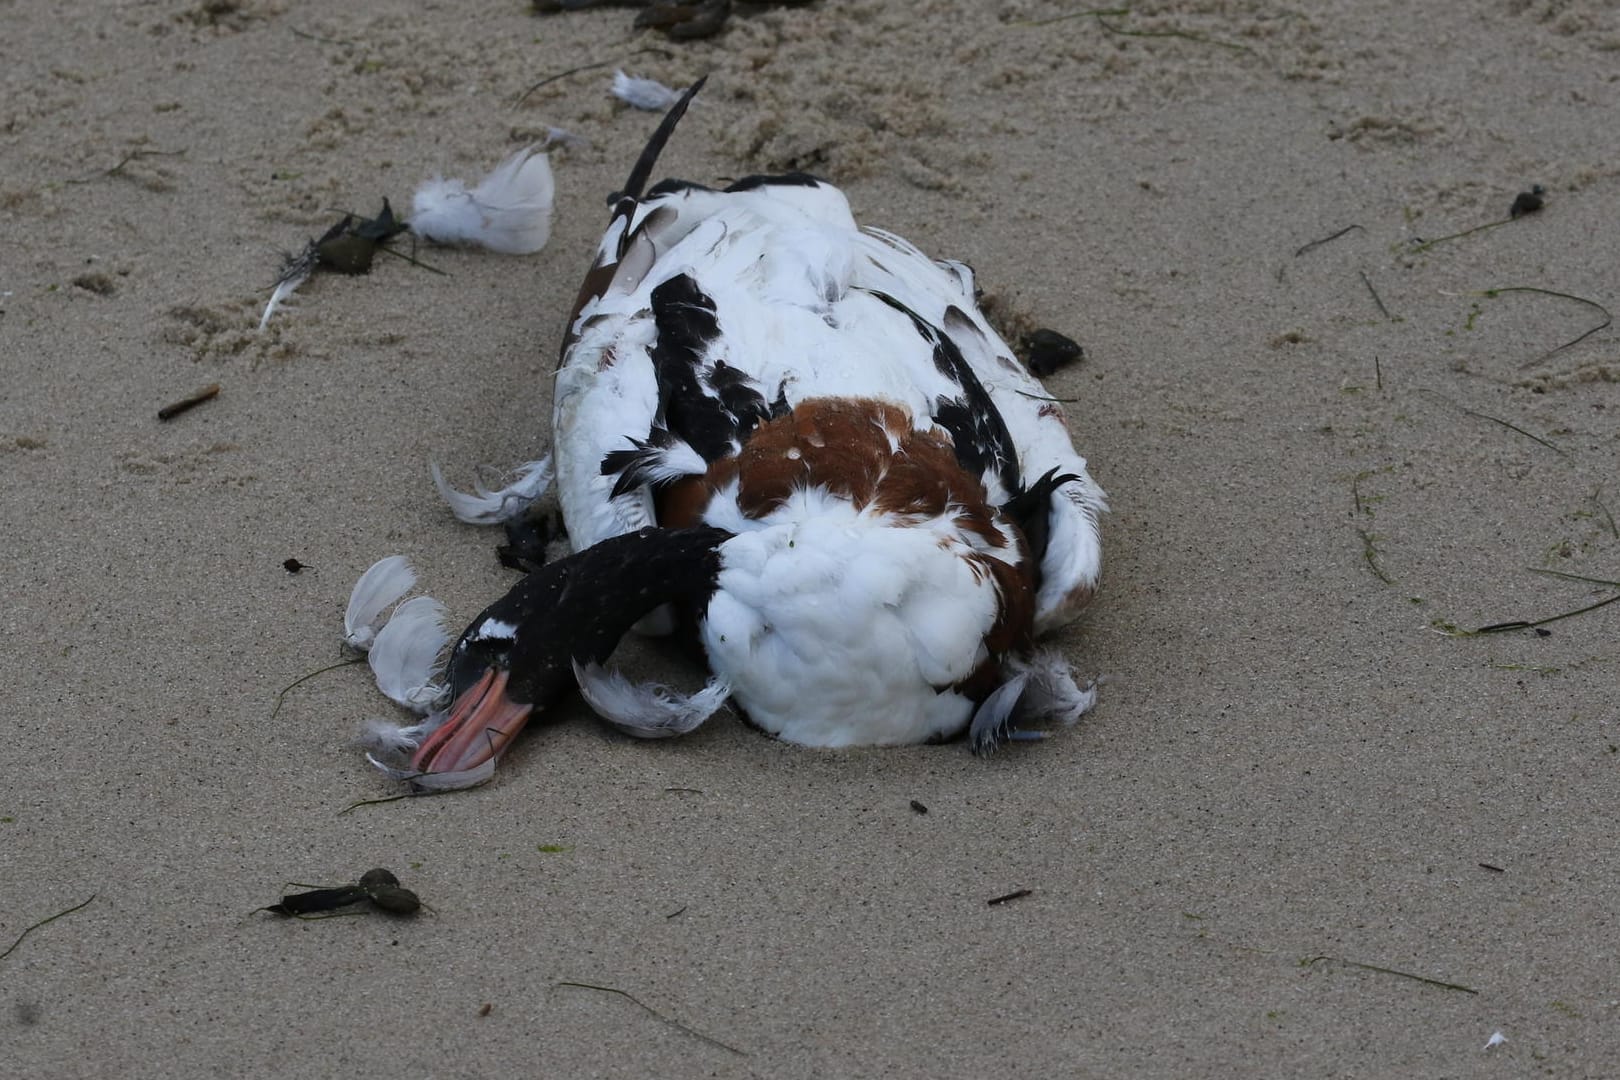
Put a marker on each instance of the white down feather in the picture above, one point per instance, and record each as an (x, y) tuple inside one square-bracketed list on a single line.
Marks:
[(509, 210)]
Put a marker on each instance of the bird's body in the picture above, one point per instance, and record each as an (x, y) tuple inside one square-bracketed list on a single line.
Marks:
[(800, 443)]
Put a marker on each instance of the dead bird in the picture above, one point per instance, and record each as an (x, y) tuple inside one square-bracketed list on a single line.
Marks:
[(799, 444)]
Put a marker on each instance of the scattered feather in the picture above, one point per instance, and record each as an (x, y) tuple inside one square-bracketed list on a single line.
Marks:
[(294, 272), (1495, 1040), (348, 247), (486, 507), (396, 743), (509, 211), (649, 94), (1051, 695), (556, 136), (388, 738), (648, 710), (378, 588), (407, 656), (993, 720)]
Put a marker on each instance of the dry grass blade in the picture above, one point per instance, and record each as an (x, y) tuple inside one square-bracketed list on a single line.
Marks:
[(285, 690), (1574, 577), (42, 922), (375, 802), (1327, 239), (711, 1040), (1531, 624), (1312, 961), (1496, 420), (1427, 244), (1608, 318)]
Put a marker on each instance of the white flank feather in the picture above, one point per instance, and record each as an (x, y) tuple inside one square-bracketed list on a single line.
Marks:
[(649, 94), (648, 710), (407, 656), (488, 507), (509, 211), (379, 587)]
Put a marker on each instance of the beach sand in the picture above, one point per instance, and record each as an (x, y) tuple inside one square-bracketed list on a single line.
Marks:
[(1305, 832)]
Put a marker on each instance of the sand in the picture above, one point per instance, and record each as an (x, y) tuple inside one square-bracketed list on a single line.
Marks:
[(1298, 796)]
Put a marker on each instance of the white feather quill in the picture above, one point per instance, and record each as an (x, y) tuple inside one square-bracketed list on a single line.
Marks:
[(649, 94), (293, 274), (486, 507), (379, 587), (509, 211), (407, 656)]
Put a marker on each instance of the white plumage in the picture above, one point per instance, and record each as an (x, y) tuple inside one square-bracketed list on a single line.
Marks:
[(834, 624), (383, 583), (649, 94), (801, 443), (408, 655), (508, 211), (486, 507)]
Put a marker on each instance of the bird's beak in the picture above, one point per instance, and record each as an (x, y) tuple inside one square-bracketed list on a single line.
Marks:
[(482, 723)]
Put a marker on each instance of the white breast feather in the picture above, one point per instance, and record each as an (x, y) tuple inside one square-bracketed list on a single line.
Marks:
[(841, 628)]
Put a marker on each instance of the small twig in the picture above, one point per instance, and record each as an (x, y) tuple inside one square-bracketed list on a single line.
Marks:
[(1378, 370), (711, 1040), (185, 404), (42, 922), (1327, 239), (1608, 319), (1312, 961), (1496, 420), (1492, 869), (1016, 894), (281, 697), (1367, 281)]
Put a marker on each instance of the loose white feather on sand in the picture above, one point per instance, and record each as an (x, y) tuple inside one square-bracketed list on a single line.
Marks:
[(649, 94), (407, 657), (384, 582), (509, 211), (488, 507)]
